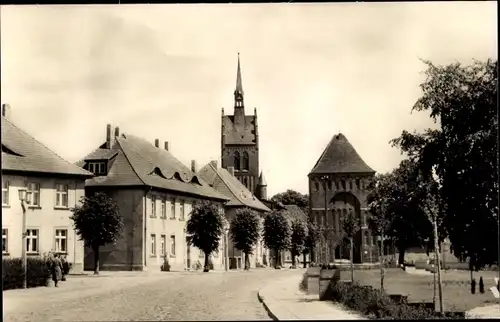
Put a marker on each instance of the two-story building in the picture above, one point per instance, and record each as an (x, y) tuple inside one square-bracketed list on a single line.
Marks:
[(53, 186), (240, 197), (155, 193)]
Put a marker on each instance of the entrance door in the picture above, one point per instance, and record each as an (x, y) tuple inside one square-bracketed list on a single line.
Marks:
[(188, 254)]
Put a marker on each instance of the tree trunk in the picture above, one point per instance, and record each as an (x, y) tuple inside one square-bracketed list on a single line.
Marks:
[(382, 272), (438, 266), (401, 259), (206, 267), (293, 258), (304, 259), (352, 258), (277, 258), (95, 249), (247, 262), (313, 255)]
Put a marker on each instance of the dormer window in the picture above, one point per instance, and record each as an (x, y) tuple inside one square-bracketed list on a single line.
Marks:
[(98, 168)]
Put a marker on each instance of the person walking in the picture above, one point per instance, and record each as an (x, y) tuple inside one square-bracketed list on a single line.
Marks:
[(56, 269), (65, 267)]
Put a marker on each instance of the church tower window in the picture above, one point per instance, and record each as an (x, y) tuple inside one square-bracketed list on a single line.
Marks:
[(237, 160), (245, 161)]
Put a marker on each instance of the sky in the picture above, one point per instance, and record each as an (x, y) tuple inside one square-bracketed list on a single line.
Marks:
[(165, 71)]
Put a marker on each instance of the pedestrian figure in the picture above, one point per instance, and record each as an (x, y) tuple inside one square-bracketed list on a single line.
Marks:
[(65, 267), (56, 269)]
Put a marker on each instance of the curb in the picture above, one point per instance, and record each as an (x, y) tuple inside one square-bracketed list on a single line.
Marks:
[(269, 312)]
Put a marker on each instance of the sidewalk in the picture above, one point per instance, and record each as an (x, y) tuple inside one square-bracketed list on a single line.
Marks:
[(484, 312), (284, 301)]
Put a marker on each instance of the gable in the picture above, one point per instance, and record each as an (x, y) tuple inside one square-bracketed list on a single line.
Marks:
[(340, 156)]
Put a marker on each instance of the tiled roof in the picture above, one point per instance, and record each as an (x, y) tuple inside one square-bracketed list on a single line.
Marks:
[(340, 157), (227, 184), (135, 161), (22, 152), (241, 134), (295, 213)]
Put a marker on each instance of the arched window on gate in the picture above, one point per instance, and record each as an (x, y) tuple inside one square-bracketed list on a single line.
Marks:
[(237, 160)]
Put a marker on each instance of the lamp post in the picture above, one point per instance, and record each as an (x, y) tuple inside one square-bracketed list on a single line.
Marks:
[(226, 251), (23, 198)]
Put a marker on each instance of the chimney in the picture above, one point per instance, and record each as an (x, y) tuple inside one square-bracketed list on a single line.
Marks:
[(6, 111), (166, 145), (157, 143), (214, 163), (231, 170), (109, 137), (193, 166), (117, 132)]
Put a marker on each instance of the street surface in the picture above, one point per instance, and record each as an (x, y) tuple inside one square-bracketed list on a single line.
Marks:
[(126, 296)]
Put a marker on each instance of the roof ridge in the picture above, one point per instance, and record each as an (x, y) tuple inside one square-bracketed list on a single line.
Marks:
[(130, 163), (46, 147), (324, 151)]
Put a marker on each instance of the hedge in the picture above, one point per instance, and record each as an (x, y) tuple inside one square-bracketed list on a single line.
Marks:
[(377, 305), (38, 272)]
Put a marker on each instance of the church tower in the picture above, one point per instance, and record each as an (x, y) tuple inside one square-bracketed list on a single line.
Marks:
[(240, 140)]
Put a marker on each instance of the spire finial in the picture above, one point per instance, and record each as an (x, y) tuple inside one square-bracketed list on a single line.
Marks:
[(239, 84)]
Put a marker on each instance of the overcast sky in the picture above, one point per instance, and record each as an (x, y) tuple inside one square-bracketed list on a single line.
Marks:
[(165, 71)]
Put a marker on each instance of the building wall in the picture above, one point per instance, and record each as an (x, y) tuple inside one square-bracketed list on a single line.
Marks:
[(128, 251), (250, 177), (135, 250), (354, 185), (47, 218)]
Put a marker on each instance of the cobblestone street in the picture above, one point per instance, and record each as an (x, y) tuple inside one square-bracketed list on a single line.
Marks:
[(143, 296)]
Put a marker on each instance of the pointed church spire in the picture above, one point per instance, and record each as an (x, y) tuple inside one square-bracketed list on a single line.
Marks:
[(239, 84), (238, 92)]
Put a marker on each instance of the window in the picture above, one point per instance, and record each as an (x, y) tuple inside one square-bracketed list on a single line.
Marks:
[(61, 241), (350, 184), (329, 184), (153, 206), (357, 183), (172, 245), (343, 184), (181, 210), (163, 247), (288, 256), (33, 194), (236, 160), (32, 241), (245, 161), (5, 193), (152, 251), (5, 241), (62, 195), (97, 167), (316, 184), (172, 209), (163, 209)]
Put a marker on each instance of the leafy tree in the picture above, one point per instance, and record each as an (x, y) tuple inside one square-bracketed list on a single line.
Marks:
[(277, 233), (292, 197), (205, 228), (462, 100), (98, 222), (395, 209), (311, 240), (298, 238), (350, 226), (245, 231)]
